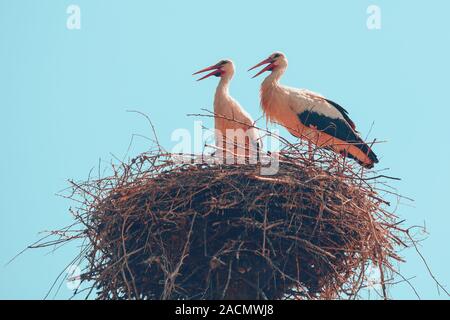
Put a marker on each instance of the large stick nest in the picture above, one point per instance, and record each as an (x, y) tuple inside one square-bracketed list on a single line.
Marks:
[(157, 229)]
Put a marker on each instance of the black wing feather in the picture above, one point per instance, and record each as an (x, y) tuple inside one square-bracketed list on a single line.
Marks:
[(338, 128), (343, 112)]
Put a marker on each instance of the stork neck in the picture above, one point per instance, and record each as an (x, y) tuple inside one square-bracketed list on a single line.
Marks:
[(274, 77), (223, 87)]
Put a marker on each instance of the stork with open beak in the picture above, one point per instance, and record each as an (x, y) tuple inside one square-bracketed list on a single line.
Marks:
[(310, 116), (232, 123)]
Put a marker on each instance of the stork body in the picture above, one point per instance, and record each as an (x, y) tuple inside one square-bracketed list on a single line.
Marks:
[(310, 116), (234, 127)]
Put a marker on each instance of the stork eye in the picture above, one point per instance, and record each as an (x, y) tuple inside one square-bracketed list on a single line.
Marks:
[(276, 55)]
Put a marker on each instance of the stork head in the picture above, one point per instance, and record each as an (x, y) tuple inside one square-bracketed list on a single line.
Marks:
[(224, 68), (276, 61)]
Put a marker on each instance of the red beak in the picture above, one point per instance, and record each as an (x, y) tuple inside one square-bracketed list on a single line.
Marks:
[(269, 67), (216, 72)]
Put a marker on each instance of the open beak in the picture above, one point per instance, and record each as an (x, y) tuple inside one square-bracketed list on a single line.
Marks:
[(269, 66), (214, 73)]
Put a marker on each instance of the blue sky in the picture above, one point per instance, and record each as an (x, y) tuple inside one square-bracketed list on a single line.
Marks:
[(64, 95)]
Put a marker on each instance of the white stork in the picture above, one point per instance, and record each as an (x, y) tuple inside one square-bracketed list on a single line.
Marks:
[(234, 127), (309, 115)]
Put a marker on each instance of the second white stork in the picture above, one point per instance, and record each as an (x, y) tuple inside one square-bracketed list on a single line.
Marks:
[(310, 116), (234, 127)]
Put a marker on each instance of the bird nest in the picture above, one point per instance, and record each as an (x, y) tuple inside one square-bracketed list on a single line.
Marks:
[(161, 229)]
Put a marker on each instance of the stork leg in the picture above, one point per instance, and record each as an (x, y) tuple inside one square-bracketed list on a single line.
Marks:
[(341, 169), (310, 151)]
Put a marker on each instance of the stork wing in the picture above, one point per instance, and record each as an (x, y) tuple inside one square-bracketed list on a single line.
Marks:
[(343, 112), (343, 131), (335, 127), (332, 119), (321, 99)]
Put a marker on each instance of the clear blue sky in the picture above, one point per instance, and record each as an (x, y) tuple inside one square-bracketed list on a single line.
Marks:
[(64, 95)]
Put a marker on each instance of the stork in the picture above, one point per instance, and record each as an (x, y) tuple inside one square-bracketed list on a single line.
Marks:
[(310, 116), (234, 127)]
